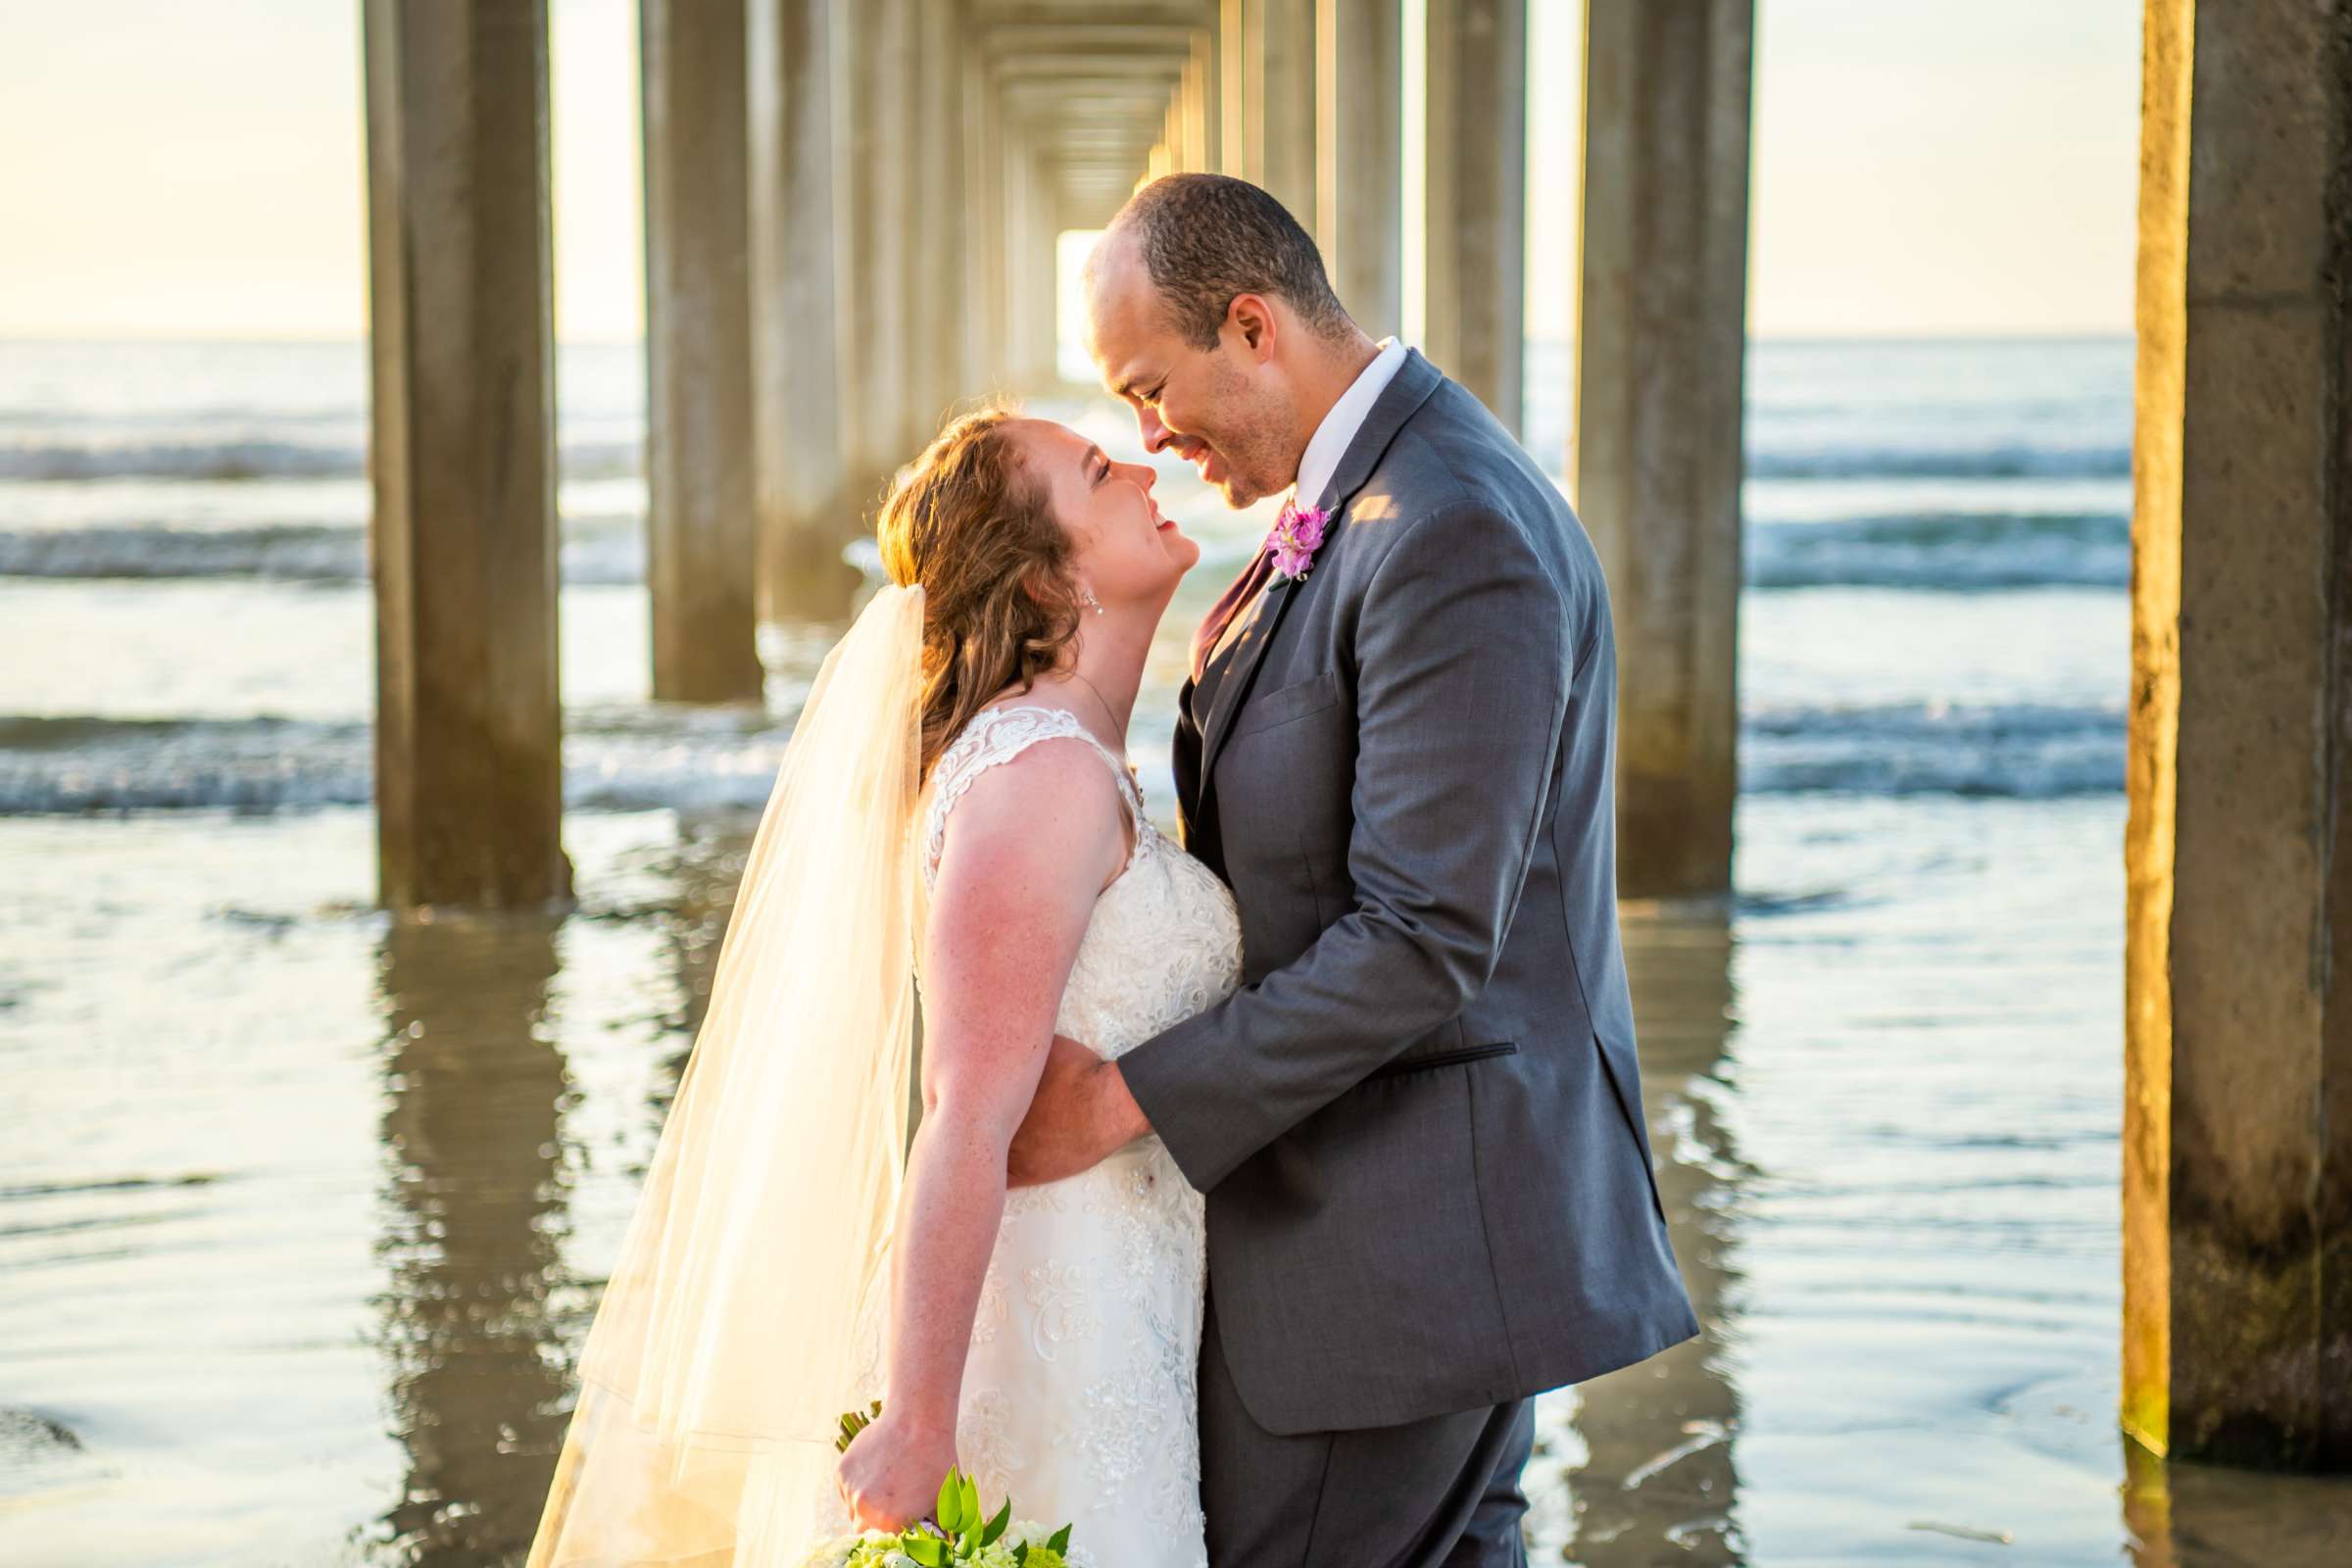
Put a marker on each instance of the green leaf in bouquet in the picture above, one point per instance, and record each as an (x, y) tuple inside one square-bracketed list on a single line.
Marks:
[(997, 1526), (929, 1550), (1020, 1555), (950, 1512), (972, 1500), (1060, 1544)]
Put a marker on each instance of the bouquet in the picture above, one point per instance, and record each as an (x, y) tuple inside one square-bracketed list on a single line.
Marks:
[(955, 1532)]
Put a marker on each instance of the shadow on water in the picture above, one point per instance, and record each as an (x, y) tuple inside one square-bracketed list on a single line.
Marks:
[(1639, 1466), (474, 1220)]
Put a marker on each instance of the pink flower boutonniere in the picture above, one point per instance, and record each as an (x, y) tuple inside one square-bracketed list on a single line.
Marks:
[(1295, 538)]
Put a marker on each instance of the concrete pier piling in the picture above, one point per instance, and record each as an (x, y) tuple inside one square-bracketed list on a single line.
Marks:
[(469, 732), (1031, 230), (2237, 1130), (1233, 74), (1278, 81), (985, 283), (800, 466), (1359, 156), (878, 190), (700, 518), (1475, 248), (940, 251), (1655, 468)]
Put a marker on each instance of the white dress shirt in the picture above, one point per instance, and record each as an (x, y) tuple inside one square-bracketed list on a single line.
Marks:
[(1321, 459)]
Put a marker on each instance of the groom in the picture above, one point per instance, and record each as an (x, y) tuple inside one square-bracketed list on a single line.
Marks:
[(1419, 1122)]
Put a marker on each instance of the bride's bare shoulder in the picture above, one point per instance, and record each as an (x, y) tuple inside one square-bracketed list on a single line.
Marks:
[(1051, 804)]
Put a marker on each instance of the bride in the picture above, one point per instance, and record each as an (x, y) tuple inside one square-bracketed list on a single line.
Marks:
[(955, 803)]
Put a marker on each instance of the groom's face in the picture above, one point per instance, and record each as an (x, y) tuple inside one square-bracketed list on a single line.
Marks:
[(1222, 409)]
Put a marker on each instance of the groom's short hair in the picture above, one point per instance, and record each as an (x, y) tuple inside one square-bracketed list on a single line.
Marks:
[(1206, 238)]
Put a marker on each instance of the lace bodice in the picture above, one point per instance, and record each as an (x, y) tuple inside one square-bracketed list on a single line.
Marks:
[(1165, 941), (1080, 1391)]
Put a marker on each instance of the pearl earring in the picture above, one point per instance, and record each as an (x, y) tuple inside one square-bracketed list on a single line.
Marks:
[(1088, 599)]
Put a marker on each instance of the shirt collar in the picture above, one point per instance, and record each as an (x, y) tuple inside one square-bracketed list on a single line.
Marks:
[(1336, 432)]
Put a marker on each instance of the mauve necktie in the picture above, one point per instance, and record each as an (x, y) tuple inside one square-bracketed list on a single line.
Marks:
[(1229, 605), (1220, 616)]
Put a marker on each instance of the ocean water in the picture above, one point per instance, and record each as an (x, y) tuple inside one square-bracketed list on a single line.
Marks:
[(303, 1211)]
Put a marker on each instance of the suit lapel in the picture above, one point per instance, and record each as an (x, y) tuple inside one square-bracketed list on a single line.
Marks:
[(1253, 630), (1415, 379), (1184, 760)]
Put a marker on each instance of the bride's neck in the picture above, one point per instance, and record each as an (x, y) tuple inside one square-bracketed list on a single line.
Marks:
[(1109, 654)]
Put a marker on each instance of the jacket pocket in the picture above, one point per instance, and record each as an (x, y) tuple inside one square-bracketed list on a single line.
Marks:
[(1287, 703), (1447, 1059)]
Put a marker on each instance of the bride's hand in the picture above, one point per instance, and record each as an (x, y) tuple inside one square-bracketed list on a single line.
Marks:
[(891, 1474)]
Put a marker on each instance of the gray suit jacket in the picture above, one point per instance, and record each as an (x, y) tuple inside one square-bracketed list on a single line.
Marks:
[(1419, 1122)]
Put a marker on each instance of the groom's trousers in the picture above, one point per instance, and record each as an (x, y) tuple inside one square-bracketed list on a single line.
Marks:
[(1441, 1492)]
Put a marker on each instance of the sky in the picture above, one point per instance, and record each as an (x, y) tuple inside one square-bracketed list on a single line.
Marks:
[(1920, 167)]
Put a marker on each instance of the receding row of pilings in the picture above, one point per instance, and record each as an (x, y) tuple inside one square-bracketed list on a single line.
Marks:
[(852, 221), (852, 216)]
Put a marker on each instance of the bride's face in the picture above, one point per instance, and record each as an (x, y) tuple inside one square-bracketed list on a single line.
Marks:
[(1125, 550)]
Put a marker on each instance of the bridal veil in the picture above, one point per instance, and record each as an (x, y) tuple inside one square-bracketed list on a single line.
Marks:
[(720, 1359)]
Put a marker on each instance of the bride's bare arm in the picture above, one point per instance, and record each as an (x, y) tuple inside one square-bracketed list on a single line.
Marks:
[(1028, 849)]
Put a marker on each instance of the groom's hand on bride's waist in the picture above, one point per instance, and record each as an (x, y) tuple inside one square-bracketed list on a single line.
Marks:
[(1081, 1113)]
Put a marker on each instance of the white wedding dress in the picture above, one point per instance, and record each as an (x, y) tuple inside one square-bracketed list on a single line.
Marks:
[(1080, 1392)]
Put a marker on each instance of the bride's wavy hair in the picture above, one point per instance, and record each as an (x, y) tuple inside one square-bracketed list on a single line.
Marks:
[(970, 524)]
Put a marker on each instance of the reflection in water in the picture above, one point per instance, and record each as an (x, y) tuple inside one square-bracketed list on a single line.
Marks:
[(710, 853), (1649, 1473), (510, 1168), (683, 885), (2147, 1508), (472, 1220), (2203, 1516)]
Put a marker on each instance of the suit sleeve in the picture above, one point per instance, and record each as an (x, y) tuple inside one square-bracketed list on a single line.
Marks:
[(1464, 655)]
